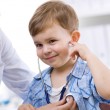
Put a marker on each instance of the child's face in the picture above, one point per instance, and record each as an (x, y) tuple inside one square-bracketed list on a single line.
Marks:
[(52, 46)]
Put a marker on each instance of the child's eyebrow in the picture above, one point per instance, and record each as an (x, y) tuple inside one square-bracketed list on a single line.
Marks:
[(36, 42), (50, 38)]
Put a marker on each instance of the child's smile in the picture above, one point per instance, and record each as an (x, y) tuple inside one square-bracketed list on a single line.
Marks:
[(51, 58)]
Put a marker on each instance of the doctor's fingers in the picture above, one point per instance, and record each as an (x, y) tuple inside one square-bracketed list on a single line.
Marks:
[(74, 106), (61, 102), (72, 50), (68, 105), (71, 100), (26, 107), (80, 50)]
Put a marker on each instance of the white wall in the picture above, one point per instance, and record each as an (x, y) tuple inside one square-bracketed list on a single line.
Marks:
[(14, 19)]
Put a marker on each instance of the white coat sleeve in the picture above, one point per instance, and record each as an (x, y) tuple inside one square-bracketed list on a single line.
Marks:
[(16, 75)]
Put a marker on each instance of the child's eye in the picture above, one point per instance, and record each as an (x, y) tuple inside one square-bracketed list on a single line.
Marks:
[(38, 45), (52, 41)]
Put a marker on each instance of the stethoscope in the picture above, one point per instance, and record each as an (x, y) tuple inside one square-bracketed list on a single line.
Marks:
[(45, 89), (63, 89)]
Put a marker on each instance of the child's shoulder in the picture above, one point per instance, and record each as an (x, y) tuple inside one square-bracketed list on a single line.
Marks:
[(82, 67), (81, 61), (42, 73), (37, 79)]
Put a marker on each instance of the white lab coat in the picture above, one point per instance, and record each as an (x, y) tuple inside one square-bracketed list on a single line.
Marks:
[(13, 72)]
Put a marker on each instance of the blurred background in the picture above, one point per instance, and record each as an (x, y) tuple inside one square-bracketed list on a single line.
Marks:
[(94, 18)]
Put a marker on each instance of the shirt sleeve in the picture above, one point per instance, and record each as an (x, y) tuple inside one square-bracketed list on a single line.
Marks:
[(91, 88), (16, 74), (97, 95)]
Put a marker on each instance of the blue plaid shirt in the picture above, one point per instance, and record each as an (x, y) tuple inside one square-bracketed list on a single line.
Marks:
[(81, 86)]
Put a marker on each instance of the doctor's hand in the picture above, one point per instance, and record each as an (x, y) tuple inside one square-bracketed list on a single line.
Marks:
[(26, 107), (81, 50), (68, 104)]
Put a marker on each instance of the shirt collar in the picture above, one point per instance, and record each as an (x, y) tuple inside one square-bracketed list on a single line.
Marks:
[(79, 68), (77, 71), (45, 75)]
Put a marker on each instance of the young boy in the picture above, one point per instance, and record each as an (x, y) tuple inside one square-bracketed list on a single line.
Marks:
[(54, 30)]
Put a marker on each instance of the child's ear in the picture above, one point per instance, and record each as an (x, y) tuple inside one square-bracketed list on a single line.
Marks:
[(75, 36)]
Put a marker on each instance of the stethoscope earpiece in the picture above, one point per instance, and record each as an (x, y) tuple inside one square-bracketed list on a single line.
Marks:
[(70, 44)]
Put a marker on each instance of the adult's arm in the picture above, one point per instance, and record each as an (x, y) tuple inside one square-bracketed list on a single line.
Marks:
[(13, 71)]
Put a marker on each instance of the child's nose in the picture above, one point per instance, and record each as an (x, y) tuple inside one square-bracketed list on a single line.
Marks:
[(46, 49)]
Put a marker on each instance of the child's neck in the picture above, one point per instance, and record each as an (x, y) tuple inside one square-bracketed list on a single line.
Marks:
[(59, 75)]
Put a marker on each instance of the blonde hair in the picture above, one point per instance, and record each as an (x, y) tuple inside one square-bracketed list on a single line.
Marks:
[(53, 12)]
